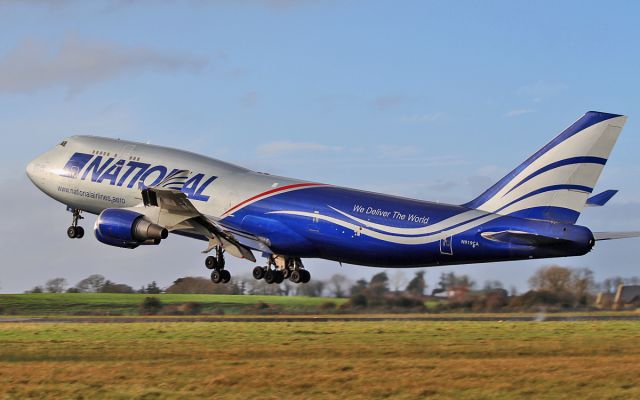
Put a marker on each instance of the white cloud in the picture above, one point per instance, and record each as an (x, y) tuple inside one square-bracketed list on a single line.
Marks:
[(286, 147), (77, 63)]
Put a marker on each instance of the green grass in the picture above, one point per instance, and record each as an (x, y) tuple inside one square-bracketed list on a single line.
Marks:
[(128, 304), (329, 360)]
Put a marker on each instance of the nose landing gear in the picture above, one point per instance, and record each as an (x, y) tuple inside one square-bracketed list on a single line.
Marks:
[(75, 231)]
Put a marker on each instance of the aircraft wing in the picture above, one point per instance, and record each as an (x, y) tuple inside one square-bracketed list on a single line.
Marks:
[(614, 235), (176, 212), (523, 238)]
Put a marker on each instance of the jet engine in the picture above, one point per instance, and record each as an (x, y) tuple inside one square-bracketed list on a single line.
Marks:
[(128, 229)]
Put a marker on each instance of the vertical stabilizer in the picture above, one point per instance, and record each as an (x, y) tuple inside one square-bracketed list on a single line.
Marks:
[(555, 183)]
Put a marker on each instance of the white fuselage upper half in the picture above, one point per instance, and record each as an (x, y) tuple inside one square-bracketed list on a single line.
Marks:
[(112, 171)]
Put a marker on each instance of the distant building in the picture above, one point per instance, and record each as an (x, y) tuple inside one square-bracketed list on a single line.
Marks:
[(604, 300), (627, 295)]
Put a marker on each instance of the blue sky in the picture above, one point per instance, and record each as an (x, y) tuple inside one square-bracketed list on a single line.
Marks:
[(433, 100)]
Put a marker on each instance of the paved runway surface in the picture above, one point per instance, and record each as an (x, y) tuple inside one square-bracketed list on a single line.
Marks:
[(514, 318)]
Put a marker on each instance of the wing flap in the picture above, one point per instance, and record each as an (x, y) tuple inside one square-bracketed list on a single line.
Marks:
[(176, 212)]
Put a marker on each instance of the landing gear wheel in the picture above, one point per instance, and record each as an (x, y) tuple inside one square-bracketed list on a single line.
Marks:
[(278, 276), (258, 273), (269, 276), (305, 275), (211, 262), (216, 276), (225, 276), (295, 276), (75, 231), (286, 273), (72, 231)]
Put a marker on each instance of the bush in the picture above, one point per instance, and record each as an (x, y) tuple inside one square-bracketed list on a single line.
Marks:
[(537, 298), (327, 306), (496, 299), (261, 305), (359, 300), (218, 311), (265, 308), (191, 308), (150, 306), (404, 301)]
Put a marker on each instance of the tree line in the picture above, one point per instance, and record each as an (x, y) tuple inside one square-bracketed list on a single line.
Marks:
[(95, 283), (551, 285)]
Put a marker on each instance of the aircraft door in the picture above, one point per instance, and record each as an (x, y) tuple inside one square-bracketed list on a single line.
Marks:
[(446, 245)]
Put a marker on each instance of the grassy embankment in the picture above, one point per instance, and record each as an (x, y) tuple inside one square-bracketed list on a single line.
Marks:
[(129, 304), (109, 304), (332, 360)]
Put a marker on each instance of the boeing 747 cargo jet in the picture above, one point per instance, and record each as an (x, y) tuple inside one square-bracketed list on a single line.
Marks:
[(142, 192)]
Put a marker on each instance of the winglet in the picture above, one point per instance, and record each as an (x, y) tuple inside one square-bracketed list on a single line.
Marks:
[(601, 199)]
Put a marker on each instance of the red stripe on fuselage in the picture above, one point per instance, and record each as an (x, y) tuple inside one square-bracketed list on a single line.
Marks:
[(270, 192)]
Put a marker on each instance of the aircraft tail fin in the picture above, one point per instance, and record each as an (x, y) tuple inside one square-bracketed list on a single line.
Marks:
[(555, 182)]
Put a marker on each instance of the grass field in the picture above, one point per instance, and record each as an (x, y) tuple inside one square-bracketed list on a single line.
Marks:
[(329, 360), (129, 304)]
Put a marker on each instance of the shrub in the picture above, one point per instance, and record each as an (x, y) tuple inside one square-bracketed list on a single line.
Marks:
[(496, 299), (261, 305), (150, 306), (217, 311), (536, 298), (191, 308), (404, 301), (266, 308), (359, 300), (327, 306)]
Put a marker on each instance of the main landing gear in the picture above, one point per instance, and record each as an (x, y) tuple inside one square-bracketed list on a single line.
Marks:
[(276, 271), (75, 231), (280, 268), (216, 263)]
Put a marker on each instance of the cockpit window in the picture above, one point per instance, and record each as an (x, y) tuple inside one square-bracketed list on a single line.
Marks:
[(63, 143)]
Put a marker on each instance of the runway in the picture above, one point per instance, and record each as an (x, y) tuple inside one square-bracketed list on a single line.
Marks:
[(234, 319)]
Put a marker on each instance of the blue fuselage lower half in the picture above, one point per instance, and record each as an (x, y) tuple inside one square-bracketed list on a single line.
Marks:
[(372, 229)]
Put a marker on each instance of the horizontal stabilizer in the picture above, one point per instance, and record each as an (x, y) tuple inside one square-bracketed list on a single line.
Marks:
[(601, 199), (522, 238), (614, 235)]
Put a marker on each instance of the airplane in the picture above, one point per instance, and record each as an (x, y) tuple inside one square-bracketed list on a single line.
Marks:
[(143, 192)]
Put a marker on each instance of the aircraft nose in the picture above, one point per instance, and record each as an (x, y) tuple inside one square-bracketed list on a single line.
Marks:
[(31, 170), (35, 169)]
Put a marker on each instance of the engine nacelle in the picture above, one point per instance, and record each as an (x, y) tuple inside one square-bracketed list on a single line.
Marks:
[(128, 229)]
